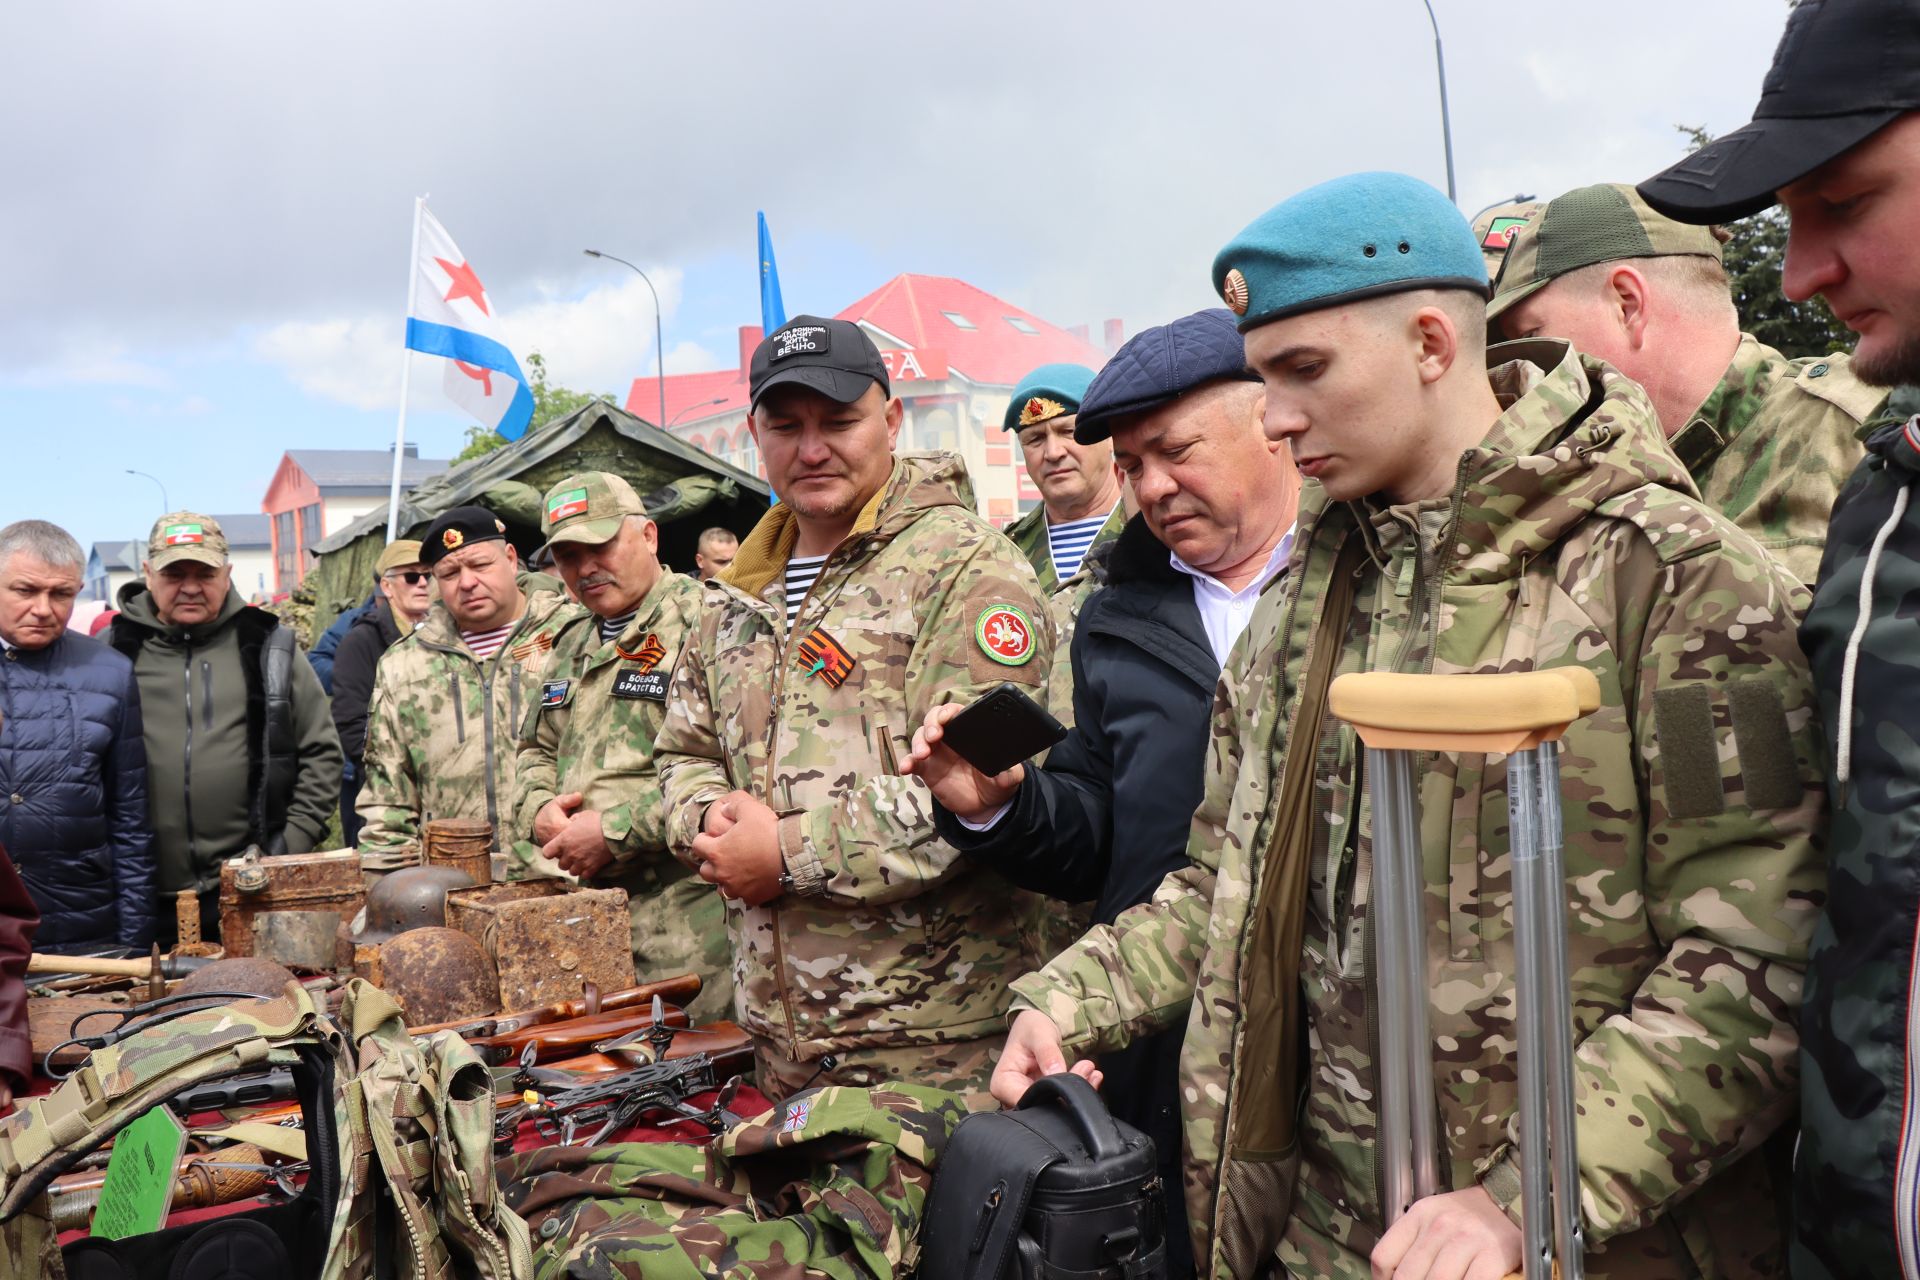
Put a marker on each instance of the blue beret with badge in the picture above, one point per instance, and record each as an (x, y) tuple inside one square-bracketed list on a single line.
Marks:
[(1353, 238), (1051, 391)]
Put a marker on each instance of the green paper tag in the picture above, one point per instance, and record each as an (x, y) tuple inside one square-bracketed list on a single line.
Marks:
[(140, 1176)]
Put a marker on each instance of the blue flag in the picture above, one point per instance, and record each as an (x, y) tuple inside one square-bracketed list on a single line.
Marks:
[(773, 312)]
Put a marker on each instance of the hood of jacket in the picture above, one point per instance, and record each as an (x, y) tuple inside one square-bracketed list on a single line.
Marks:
[(919, 483), (137, 603)]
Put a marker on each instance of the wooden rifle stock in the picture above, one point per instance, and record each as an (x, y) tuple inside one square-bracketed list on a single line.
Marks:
[(239, 1172), (679, 990)]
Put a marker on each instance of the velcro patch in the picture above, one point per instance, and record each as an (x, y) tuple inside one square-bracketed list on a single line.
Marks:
[(634, 683), (819, 654), (797, 1113), (1689, 759), (554, 693), (801, 340), (570, 503), (1004, 634), (1501, 231), (177, 534), (1768, 769)]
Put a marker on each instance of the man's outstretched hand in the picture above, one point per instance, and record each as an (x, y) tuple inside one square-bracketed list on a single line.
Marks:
[(962, 789), (1033, 1050)]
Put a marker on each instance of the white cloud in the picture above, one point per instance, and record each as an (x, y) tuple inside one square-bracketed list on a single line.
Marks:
[(599, 341), (351, 362), (90, 361)]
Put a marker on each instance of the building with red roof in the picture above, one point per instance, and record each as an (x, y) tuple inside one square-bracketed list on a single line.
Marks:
[(953, 353)]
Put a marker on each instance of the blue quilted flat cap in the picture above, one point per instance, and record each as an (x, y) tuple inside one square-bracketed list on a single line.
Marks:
[(1356, 237), (1161, 364), (1051, 391)]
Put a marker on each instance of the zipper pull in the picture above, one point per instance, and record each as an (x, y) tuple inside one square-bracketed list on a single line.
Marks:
[(1403, 583)]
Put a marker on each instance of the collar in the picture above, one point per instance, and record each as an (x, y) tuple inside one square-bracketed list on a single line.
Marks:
[(1728, 408), (1276, 561)]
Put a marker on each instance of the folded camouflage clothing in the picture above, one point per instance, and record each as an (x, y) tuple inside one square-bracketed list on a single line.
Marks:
[(831, 1182)]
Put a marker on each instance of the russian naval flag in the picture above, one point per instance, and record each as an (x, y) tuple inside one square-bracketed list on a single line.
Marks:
[(451, 316)]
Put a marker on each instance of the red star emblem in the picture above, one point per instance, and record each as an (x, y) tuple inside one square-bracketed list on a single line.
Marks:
[(464, 284)]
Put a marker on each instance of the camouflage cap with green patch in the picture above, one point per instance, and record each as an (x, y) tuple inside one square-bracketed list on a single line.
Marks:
[(186, 535), (589, 508), (1608, 222), (1496, 225)]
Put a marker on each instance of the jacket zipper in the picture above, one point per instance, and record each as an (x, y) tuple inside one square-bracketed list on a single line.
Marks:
[(193, 852)]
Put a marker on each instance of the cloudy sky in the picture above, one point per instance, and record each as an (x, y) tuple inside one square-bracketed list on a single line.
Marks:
[(204, 223)]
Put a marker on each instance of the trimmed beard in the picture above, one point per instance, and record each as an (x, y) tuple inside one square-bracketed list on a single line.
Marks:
[(1895, 368)]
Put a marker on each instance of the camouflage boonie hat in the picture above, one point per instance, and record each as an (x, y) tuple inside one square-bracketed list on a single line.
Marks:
[(589, 508), (186, 535), (1590, 225), (1496, 226)]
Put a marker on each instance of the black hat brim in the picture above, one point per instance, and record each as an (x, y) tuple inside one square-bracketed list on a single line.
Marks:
[(1736, 176), (834, 384)]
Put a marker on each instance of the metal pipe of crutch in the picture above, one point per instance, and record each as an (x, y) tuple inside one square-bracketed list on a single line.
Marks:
[(1530, 1016)]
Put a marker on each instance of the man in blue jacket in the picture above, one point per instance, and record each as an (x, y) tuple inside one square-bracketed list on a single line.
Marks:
[(73, 765)]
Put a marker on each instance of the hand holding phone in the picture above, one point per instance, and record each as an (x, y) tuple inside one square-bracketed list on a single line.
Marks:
[(970, 757)]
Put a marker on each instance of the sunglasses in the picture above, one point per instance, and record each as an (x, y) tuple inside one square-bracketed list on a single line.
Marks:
[(412, 577)]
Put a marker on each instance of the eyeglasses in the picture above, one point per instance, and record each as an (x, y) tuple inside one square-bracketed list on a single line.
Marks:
[(412, 577)]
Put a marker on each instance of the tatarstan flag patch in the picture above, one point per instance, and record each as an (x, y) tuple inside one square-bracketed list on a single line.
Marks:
[(819, 654), (570, 503), (180, 534)]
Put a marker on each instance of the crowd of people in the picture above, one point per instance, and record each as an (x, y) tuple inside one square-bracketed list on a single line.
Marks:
[(1371, 458)]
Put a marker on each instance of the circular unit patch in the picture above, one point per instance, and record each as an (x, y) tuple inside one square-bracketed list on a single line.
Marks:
[(1004, 634)]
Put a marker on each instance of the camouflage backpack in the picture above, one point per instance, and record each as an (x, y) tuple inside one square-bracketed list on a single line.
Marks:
[(831, 1183), (398, 1140)]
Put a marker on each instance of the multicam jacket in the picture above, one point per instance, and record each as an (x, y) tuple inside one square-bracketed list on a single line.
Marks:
[(888, 938), (442, 726), (1692, 843), (1029, 533), (1773, 443)]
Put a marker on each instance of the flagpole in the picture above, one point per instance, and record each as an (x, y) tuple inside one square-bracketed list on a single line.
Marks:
[(406, 376)]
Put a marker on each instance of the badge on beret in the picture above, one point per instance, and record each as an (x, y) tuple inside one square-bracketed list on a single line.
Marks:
[(497, 526), (1040, 409), (178, 534), (1004, 634), (452, 538), (1234, 290), (648, 655), (819, 654)]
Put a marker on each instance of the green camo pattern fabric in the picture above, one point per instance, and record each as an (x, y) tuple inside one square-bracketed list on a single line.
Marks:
[(830, 1184), (1572, 536)]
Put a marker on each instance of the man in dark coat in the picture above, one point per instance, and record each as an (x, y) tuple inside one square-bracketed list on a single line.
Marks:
[(403, 589), (18, 917), (73, 765), (1107, 817)]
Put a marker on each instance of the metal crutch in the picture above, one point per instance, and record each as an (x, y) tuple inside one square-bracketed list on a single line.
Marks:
[(1523, 716)]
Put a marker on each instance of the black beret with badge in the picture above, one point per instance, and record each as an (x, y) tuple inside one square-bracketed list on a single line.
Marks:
[(459, 527)]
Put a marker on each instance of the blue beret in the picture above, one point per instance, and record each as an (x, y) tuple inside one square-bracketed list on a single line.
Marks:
[(1355, 237), (1159, 365), (1051, 391)]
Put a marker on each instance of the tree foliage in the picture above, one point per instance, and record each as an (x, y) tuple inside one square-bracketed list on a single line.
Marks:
[(550, 401), (1755, 251)]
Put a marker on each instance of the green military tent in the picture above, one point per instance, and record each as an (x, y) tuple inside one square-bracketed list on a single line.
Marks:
[(686, 490)]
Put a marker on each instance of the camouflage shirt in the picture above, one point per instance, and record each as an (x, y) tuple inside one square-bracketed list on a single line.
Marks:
[(888, 938), (1571, 537), (1773, 443), (442, 725), (1029, 533)]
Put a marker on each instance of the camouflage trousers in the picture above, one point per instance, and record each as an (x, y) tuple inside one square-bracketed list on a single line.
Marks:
[(680, 926), (963, 1067)]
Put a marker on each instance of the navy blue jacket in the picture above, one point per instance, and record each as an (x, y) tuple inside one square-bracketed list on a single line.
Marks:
[(73, 793), (324, 653)]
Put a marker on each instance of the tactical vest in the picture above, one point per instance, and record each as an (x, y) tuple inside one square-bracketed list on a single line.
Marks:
[(398, 1137)]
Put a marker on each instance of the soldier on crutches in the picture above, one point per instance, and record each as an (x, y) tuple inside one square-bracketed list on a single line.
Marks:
[(1523, 716)]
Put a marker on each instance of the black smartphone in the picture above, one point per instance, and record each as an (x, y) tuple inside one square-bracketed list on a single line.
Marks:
[(1001, 728)]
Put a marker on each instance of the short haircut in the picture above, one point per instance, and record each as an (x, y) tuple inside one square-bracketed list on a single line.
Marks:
[(1697, 282), (45, 542), (717, 537)]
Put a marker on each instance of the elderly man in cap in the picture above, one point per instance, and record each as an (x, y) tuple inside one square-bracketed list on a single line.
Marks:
[(449, 699), (1768, 440), (589, 802), (402, 590), (866, 948), (240, 746), (1079, 493), (1106, 819), (1462, 519), (1835, 140)]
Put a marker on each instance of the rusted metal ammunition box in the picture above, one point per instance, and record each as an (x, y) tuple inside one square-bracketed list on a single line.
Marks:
[(463, 844), (252, 885), (545, 937)]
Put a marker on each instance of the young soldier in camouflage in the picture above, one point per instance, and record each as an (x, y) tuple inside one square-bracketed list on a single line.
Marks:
[(589, 802), (1768, 440), (1466, 520), (449, 699), (871, 593)]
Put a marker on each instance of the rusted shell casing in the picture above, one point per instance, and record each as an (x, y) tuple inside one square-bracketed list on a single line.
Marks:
[(294, 882), (545, 937), (465, 844), (438, 975)]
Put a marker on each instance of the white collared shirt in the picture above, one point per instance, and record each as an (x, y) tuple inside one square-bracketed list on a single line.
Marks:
[(1225, 612)]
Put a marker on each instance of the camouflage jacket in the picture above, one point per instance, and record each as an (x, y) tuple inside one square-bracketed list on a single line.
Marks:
[(831, 1185), (1029, 533), (888, 938), (1773, 443), (442, 726), (1857, 1178), (1064, 608), (592, 728), (1571, 536)]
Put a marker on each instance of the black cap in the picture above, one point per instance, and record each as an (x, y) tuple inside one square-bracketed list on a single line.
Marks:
[(834, 357), (459, 527), (1844, 70), (1159, 365)]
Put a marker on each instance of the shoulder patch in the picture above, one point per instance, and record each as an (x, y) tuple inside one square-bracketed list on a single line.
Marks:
[(1831, 378), (1005, 634), (554, 693)]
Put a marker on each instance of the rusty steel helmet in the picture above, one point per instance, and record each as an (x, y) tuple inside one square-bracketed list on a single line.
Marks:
[(409, 898), (438, 975)]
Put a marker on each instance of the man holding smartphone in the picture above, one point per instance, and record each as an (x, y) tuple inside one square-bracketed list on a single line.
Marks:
[(1107, 817), (865, 948)]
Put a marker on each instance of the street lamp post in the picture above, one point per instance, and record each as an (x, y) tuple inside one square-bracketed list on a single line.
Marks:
[(659, 338), (1446, 125), (165, 505), (704, 404)]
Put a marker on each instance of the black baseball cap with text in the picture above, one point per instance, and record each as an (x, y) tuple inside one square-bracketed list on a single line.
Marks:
[(1844, 70), (834, 357)]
